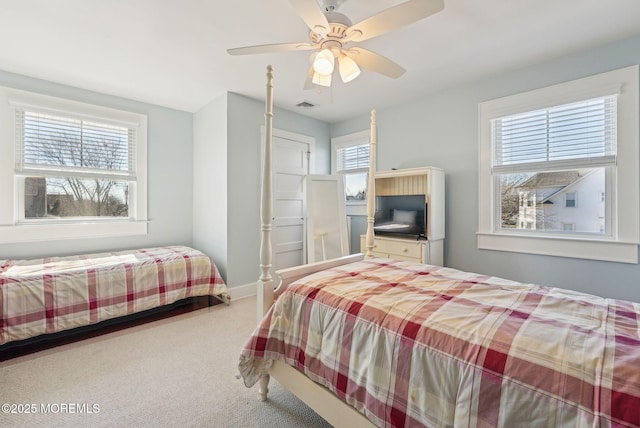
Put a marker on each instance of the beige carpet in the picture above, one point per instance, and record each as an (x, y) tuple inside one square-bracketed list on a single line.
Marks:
[(176, 372)]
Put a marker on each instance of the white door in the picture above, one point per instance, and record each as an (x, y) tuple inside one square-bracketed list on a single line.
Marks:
[(291, 164)]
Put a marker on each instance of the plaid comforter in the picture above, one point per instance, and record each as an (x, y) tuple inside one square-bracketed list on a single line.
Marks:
[(59, 293), (418, 345)]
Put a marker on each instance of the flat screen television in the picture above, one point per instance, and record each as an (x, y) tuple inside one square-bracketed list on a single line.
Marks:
[(401, 215)]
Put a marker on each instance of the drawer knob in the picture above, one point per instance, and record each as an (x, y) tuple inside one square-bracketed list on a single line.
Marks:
[(405, 250)]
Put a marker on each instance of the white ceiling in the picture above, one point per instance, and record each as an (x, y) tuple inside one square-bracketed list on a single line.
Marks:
[(173, 52)]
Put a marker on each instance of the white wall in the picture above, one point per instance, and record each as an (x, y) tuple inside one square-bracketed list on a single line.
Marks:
[(442, 130), (170, 164)]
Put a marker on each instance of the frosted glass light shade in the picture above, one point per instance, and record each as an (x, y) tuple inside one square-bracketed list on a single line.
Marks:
[(349, 70), (323, 63), (321, 79)]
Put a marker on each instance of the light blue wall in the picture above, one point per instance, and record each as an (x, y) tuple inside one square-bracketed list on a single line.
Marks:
[(442, 130), (210, 233), (170, 164), (223, 138), (241, 145), (203, 177), (246, 116)]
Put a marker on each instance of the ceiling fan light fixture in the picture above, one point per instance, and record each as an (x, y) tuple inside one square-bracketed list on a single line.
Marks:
[(321, 79), (324, 62), (349, 70), (331, 31)]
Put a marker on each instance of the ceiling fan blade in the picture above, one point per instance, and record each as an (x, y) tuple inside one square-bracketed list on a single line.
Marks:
[(394, 18), (375, 62), (312, 15), (278, 47)]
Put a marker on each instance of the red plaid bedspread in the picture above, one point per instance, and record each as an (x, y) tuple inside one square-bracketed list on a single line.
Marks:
[(59, 293), (417, 345)]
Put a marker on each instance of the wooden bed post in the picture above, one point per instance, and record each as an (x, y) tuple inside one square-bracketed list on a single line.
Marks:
[(266, 291), (371, 197), (317, 397), (265, 283)]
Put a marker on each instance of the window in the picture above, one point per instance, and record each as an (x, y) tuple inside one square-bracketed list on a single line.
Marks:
[(350, 158), (78, 170), (539, 149)]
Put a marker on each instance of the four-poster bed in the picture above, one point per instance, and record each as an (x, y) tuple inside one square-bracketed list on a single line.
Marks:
[(367, 341)]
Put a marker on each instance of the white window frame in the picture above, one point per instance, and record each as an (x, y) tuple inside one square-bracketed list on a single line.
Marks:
[(12, 229), (622, 244), (567, 199), (355, 139)]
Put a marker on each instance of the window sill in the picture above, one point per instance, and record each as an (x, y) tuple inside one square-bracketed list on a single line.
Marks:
[(55, 232), (356, 208), (580, 248)]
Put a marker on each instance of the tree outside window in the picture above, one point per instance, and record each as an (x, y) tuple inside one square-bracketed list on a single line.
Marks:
[(81, 167)]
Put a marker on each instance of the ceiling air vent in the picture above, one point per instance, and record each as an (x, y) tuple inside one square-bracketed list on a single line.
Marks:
[(305, 104)]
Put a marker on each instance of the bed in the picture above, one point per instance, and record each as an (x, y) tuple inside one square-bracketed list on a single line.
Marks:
[(380, 342), (55, 294)]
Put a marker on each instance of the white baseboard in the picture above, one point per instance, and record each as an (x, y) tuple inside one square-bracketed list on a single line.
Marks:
[(242, 291)]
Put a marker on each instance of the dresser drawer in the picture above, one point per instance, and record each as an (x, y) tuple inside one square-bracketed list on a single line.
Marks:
[(394, 248), (399, 248)]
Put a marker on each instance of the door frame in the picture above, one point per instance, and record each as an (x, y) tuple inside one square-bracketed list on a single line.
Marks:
[(299, 138)]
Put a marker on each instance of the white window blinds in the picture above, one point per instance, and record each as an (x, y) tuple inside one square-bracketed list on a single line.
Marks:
[(352, 158), (572, 135), (57, 144)]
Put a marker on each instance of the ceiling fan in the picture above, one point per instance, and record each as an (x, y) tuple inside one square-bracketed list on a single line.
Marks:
[(332, 33)]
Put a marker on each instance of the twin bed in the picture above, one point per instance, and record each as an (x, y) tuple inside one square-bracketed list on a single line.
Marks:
[(380, 342), (51, 295)]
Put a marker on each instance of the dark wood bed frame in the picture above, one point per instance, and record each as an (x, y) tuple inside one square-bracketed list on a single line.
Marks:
[(43, 342)]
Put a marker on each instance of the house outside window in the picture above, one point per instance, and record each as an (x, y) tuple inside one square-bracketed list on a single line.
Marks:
[(350, 158), (540, 149), (78, 170), (551, 199)]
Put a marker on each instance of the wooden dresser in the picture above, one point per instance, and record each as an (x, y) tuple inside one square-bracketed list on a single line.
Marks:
[(428, 181)]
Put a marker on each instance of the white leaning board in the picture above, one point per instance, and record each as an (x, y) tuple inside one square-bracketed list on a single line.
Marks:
[(327, 234)]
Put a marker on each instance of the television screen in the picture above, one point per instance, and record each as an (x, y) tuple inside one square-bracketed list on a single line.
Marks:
[(401, 215)]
